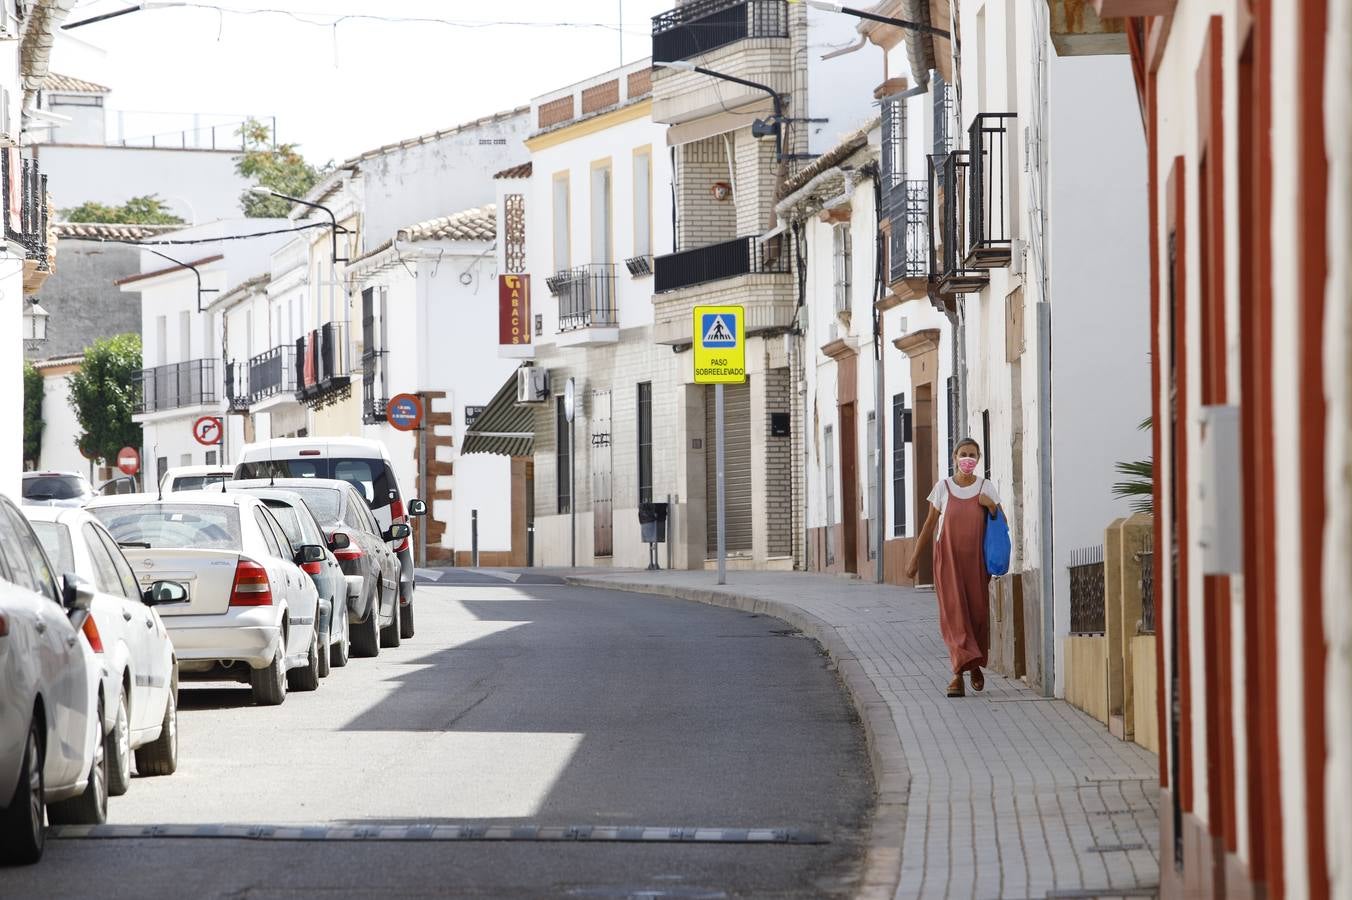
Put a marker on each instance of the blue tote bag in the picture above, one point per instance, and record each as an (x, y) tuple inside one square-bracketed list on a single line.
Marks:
[(996, 544)]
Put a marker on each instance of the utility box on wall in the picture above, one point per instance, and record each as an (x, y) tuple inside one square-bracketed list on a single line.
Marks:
[(1221, 494)]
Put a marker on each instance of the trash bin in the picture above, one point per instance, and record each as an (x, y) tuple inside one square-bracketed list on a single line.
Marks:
[(652, 520)]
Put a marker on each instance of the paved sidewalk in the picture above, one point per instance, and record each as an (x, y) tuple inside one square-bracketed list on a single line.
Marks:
[(1003, 794)]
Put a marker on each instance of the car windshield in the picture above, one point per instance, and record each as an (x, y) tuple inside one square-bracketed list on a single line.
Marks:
[(55, 539), (173, 525), (369, 476), (196, 482), (54, 487), (324, 503), (290, 521)]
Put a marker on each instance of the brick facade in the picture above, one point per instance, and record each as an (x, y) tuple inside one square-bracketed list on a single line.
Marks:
[(703, 219), (555, 112), (600, 96)]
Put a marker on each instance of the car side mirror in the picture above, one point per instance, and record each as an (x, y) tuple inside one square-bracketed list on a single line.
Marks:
[(310, 553), (398, 531), (77, 595), (164, 592), (339, 540), (417, 508)]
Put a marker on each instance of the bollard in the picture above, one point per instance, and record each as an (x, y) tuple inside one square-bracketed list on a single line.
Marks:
[(474, 538)]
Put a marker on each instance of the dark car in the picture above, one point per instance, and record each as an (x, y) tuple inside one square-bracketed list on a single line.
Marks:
[(298, 521), (369, 564)]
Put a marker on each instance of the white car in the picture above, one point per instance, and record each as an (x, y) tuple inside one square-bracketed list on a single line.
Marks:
[(194, 478), (69, 489), (139, 677), (250, 611), (363, 463), (51, 742)]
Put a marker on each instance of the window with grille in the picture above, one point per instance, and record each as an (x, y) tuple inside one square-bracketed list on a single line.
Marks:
[(871, 435), (841, 241), (954, 435), (829, 464), (645, 442), (562, 457), (898, 465)]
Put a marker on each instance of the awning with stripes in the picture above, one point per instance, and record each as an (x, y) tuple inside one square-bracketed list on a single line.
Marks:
[(503, 428)]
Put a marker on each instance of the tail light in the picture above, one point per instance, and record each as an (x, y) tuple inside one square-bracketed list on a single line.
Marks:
[(313, 568), (350, 552), (91, 633), (397, 517), (251, 587), (4, 625)]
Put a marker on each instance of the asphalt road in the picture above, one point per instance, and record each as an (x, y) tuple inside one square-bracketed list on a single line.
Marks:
[(516, 704)]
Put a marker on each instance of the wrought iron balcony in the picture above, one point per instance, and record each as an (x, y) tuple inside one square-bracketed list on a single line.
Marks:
[(176, 386), (906, 206), (374, 383), (948, 272), (22, 178), (272, 372), (323, 365), (989, 236), (693, 29), (586, 297), (715, 262), (237, 386)]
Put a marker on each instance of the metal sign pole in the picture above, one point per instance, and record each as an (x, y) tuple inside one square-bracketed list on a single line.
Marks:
[(722, 511), (572, 491), (422, 494)]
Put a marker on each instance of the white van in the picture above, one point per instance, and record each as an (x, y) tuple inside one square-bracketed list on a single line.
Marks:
[(193, 478), (361, 462)]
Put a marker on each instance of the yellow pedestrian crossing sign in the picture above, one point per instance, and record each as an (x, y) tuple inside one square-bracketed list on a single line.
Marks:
[(720, 345)]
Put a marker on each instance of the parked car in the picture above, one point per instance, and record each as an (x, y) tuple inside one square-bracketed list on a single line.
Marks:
[(193, 478), (250, 611), (369, 564), (302, 529), (121, 484), (56, 489), (140, 680), (51, 748), (363, 463)]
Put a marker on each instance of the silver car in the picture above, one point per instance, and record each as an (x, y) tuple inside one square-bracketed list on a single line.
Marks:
[(250, 613)]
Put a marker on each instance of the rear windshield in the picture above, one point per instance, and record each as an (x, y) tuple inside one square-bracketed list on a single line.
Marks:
[(55, 539), (196, 482), (55, 487), (324, 503), (369, 476), (173, 525)]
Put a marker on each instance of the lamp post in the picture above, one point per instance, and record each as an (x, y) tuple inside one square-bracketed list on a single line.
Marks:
[(195, 271), (337, 229), (760, 127), (149, 4), (874, 17), (34, 327)]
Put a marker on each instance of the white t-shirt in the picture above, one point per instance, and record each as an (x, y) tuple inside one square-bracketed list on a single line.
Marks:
[(938, 497)]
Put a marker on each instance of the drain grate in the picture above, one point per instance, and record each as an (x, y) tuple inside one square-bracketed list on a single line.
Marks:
[(450, 833)]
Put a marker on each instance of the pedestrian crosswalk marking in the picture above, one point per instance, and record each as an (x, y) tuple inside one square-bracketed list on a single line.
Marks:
[(717, 333), (466, 832)]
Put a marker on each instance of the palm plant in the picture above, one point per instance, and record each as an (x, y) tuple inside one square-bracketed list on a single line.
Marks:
[(1139, 487)]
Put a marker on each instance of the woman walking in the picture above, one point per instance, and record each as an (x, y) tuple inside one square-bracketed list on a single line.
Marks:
[(960, 507)]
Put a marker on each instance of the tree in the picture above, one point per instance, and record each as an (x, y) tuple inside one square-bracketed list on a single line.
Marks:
[(276, 166), (1139, 488), (104, 393), (145, 210), (33, 390)]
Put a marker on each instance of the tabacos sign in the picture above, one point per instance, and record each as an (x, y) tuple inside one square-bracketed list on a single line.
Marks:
[(513, 309)]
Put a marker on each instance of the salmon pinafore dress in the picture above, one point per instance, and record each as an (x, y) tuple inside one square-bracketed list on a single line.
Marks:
[(961, 581)]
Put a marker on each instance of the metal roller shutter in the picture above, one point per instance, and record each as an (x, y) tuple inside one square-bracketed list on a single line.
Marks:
[(737, 466)]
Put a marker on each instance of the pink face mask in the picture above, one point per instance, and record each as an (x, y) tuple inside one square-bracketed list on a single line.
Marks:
[(967, 465)]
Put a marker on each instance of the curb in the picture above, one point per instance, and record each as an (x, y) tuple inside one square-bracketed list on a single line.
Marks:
[(882, 860)]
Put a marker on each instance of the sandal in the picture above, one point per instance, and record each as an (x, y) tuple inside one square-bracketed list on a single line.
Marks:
[(955, 687), (978, 680)]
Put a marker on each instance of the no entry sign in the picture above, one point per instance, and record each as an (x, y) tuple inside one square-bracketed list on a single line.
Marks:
[(207, 431), (405, 412), (128, 461)]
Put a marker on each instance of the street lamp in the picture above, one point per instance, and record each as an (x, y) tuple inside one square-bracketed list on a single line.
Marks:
[(337, 229), (34, 327), (149, 4), (759, 128), (874, 17)]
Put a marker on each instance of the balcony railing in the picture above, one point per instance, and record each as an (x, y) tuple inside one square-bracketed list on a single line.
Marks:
[(272, 373), (237, 386), (374, 387), (693, 29), (323, 364), (586, 297), (947, 224), (989, 237), (177, 385), (906, 206), (26, 225), (714, 262)]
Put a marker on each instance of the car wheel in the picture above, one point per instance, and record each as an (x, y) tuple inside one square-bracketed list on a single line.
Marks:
[(161, 757), (21, 834), (406, 621), (338, 654), (118, 748), (269, 683), (366, 636), (91, 807), (389, 635), (306, 678), (323, 653)]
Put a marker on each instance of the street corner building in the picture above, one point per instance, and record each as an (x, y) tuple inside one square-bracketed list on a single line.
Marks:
[(1247, 111)]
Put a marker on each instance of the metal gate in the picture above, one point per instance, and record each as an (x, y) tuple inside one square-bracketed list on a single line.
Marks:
[(603, 527), (737, 466)]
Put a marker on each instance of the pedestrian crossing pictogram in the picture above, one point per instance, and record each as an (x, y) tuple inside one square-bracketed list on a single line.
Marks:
[(718, 332)]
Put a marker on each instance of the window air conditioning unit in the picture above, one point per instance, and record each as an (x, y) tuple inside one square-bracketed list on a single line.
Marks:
[(532, 385)]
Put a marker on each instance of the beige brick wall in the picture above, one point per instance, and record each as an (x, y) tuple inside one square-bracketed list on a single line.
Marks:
[(769, 300), (702, 219), (779, 508), (756, 180)]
